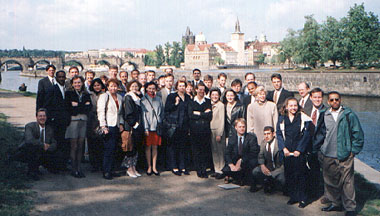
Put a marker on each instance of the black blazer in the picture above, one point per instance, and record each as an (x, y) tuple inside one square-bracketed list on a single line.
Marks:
[(308, 107), (84, 106), (247, 100), (200, 123), (43, 86), (132, 114), (284, 94), (238, 111), (177, 115), (57, 111), (250, 152), (193, 82)]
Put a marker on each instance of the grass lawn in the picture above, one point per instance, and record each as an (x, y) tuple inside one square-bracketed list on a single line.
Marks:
[(367, 196), (15, 196), (27, 93)]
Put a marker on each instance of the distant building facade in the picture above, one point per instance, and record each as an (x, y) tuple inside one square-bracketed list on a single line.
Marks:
[(237, 43), (200, 56)]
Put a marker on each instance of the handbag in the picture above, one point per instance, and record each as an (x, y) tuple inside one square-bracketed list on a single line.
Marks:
[(99, 131), (159, 124)]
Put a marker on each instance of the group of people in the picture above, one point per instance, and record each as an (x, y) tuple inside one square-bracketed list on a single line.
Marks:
[(243, 134)]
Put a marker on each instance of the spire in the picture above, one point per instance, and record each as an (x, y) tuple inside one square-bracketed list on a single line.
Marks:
[(237, 26), (187, 31)]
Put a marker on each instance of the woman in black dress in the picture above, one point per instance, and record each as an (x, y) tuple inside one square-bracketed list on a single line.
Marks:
[(176, 128), (293, 137), (234, 110)]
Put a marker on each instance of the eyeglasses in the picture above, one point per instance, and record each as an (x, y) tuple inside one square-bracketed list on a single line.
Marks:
[(334, 99)]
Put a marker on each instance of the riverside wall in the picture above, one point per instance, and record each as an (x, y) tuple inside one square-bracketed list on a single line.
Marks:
[(358, 83)]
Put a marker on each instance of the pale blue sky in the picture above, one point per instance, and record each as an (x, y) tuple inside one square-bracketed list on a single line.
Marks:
[(93, 24)]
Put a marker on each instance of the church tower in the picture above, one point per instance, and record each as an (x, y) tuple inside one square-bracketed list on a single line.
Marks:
[(237, 43)]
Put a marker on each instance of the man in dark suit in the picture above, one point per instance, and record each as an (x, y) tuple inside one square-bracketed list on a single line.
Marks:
[(38, 145), (197, 77), (271, 169), (251, 87), (249, 77), (305, 102), (279, 95), (58, 117), (43, 86), (315, 156), (241, 154)]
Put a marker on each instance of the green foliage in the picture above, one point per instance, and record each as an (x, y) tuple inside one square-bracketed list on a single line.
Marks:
[(309, 51), (168, 47), (361, 31), (218, 60), (149, 59), (14, 193), (352, 41), (176, 55), (160, 56), (128, 55), (331, 41), (260, 59), (31, 53)]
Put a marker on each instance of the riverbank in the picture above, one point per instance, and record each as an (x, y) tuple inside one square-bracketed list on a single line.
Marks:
[(15, 193), (166, 195)]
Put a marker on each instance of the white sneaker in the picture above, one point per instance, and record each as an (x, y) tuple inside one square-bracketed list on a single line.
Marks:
[(137, 174), (131, 175)]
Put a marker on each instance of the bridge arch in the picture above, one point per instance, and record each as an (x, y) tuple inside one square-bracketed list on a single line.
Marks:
[(103, 62), (129, 65), (43, 61), (74, 63), (11, 61)]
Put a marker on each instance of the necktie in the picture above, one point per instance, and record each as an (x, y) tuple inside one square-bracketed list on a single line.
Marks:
[(314, 117), (302, 103), (240, 147), (42, 135), (269, 159), (275, 97)]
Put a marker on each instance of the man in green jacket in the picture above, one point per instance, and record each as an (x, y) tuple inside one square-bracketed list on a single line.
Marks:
[(343, 138)]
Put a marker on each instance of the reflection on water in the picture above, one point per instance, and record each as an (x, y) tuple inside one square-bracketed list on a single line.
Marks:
[(367, 109)]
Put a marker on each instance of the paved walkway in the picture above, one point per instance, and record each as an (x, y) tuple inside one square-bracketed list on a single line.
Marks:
[(165, 195)]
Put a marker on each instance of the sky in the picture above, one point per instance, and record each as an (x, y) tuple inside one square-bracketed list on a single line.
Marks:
[(78, 25)]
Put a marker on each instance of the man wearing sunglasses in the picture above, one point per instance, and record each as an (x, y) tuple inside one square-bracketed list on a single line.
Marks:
[(339, 137)]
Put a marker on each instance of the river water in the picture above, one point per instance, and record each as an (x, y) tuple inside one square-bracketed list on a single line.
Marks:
[(367, 109)]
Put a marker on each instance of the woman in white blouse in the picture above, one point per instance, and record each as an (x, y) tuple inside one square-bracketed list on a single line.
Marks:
[(109, 116)]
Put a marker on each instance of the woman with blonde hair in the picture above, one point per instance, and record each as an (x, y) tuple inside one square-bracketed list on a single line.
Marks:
[(261, 113)]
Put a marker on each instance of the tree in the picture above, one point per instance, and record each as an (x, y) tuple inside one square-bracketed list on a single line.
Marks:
[(167, 53), (260, 59), (309, 50), (218, 60), (331, 41), (160, 57), (150, 59), (361, 41), (176, 55), (288, 47)]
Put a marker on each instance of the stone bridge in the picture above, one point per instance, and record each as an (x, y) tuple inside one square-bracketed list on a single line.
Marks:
[(31, 63)]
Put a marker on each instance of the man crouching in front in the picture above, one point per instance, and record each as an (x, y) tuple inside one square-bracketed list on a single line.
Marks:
[(38, 146), (241, 155), (271, 169)]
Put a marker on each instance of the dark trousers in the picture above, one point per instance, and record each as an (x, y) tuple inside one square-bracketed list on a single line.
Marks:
[(200, 143), (109, 148), (63, 146), (245, 174), (314, 176), (176, 150), (95, 150), (295, 177), (35, 156)]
